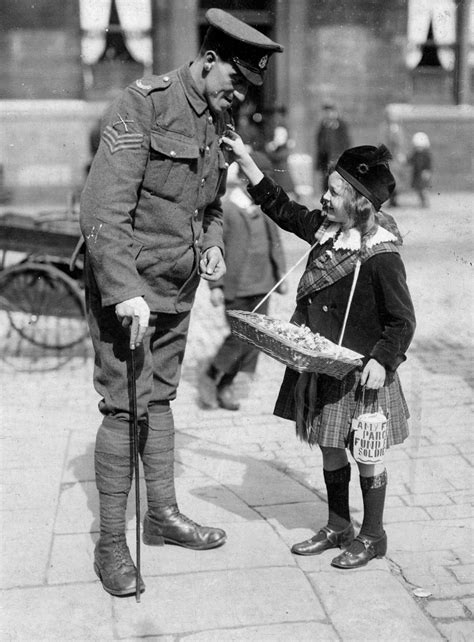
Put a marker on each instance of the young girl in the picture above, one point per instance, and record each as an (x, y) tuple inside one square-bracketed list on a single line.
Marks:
[(380, 326)]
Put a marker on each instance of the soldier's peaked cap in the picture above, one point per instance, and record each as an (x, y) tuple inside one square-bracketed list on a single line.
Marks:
[(237, 42)]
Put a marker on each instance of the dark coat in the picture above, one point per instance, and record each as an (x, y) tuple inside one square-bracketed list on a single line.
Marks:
[(332, 138), (421, 163), (151, 203), (381, 321), (237, 241)]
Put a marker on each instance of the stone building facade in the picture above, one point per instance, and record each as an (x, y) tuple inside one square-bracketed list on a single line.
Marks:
[(350, 51)]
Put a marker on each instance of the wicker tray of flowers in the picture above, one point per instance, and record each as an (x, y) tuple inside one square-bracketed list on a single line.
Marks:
[(295, 346)]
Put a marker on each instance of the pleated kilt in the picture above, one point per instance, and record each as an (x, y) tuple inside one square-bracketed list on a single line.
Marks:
[(335, 402)]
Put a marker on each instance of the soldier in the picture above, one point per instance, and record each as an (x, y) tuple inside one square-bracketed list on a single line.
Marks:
[(152, 221)]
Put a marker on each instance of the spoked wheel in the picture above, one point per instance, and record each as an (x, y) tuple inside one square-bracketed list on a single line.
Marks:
[(45, 306)]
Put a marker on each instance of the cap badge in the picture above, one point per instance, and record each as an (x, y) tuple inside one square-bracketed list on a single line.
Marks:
[(362, 168), (263, 62)]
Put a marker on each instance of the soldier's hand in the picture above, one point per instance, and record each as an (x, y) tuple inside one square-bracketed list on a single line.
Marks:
[(134, 313), (212, 265)]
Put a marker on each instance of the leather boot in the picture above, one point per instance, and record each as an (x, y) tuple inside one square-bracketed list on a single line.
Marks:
[(114, 566), (325, 539), (113, 471), (169, 526)]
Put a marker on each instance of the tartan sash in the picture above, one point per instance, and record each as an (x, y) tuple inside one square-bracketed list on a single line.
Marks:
[(326, 266)]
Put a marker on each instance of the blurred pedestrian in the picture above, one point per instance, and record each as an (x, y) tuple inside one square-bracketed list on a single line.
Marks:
[(255, 262), (151, 217), (350, 232), (396, 145), (421, 163), (278, 149), (332, 138)]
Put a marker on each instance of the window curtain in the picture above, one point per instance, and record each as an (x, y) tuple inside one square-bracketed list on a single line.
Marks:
[(135, 20), (442, 14), (94, 16)]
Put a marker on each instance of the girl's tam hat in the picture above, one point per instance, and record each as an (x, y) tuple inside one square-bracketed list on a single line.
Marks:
[(366, 169)]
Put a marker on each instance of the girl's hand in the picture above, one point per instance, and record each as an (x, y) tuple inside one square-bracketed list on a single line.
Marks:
[(243, 158), (234, 142), (373, 375)]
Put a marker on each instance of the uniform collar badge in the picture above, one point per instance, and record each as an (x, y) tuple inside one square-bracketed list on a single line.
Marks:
[(141, 85)]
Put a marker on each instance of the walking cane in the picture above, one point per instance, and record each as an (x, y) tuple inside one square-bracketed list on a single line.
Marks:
[(133, 386)]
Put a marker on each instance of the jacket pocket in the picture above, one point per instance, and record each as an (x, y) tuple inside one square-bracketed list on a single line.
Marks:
[(172, 165), (173, 145)]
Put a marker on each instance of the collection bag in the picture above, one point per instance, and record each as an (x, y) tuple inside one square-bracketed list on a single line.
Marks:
[(369, 434)]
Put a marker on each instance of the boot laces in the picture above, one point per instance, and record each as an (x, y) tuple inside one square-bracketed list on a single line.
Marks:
[(121, 553)]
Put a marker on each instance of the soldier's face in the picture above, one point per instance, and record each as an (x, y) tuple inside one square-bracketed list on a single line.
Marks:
[(223, 84)]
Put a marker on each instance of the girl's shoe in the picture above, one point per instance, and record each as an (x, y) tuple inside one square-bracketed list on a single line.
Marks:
[(361, 551)]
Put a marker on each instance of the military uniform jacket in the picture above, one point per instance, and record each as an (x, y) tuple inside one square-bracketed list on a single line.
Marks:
[(151, 203), (381, 320)]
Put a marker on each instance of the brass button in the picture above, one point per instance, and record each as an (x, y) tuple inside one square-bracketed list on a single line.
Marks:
[(209, 119), (166, 78), (172, 153), (325, 308)]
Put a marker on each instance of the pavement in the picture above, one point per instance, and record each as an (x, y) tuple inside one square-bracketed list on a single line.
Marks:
[(246, 472)]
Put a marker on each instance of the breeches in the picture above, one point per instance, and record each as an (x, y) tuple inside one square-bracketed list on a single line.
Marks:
[(158, 363)]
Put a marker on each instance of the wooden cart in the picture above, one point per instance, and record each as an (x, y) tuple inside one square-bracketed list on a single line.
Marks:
[(42, 297)]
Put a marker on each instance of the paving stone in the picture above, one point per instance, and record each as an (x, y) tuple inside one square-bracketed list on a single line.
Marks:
[(297, 521), (26, 542), (31, 489), (375, 615), (428, 536), (81, 612), (405, 514), (457, 631), (65, 568), (428, 499), (188, 603), (455, 590), (303, 632), (32, 450), (433, 451), (464, 573), (249, 545), (445, 609), (449, 512), (464, 556)]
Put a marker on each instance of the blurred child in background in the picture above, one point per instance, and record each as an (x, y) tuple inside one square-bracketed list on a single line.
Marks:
[(421, 163), (255, 262)]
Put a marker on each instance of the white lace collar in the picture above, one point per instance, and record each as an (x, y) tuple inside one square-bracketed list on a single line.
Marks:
[(351, 239)]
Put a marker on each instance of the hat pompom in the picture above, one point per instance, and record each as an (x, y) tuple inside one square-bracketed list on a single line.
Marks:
[(382, 155)]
